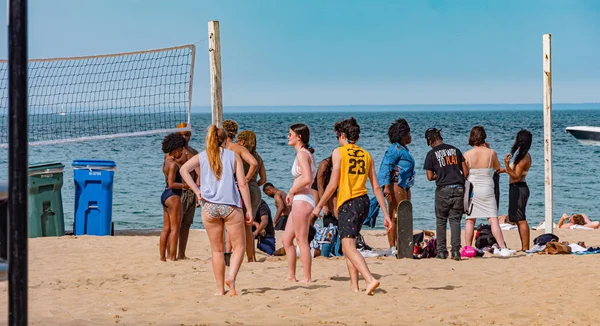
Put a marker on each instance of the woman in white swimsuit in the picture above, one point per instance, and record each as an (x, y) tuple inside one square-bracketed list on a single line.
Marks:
[(301, 200), (483, 162)]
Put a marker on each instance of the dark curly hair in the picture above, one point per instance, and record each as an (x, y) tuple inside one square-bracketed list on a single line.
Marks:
[(231, 127), (173, 142), (522, 143), (348, 127), (477, 136), (398, 130), (433, 134)]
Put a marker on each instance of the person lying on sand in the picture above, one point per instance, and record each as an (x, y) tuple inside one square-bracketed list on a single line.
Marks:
[(577, 219)]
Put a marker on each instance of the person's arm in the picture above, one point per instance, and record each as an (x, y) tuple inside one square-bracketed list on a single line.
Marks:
[(593, 225), (262, 173), (462, 160), (171, 173), (431, 176), (321, 178), (191, 164), (495, 161), (334, 180), (517, 172), (262, 225), (561, 222), (243, 186), (280, 204), (248, 158), (428, 166), (380, 199), (586, 218), (465, 169), (305, 179)]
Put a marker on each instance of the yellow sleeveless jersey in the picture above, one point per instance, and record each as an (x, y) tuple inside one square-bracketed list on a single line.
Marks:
[(354, 173)]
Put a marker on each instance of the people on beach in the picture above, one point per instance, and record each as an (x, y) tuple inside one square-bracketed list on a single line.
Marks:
[(300, 198), (446, 166), (397, 172), (188, 198), (324, 169), (316, 252), (283, 209), (218, 193), (577, 220), (173, 145), (262, 228), (482, 162), (247, 139), (518, 193), (231, 127), (352, 166)]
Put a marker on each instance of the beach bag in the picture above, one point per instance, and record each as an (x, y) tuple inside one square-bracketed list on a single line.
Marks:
[(543, 239), (484, 237), (328, 240), (557, 248), (468, 252), (468, 197)]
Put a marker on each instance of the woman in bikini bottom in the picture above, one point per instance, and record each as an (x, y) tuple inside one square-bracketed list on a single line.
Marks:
[(217, 210)]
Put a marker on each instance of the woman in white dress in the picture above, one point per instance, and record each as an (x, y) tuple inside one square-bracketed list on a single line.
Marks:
[(482, 163)]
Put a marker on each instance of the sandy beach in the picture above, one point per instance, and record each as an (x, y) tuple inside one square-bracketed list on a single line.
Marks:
[(120, 280)]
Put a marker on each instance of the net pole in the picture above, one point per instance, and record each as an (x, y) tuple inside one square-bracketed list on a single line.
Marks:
[(548, 200), (214, 54), (17, 163)]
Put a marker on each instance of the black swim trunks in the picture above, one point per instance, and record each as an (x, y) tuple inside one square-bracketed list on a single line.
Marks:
[(518, 194), (281, 222), (351, 216)]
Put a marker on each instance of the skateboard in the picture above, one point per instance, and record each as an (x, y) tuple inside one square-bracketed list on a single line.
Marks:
[(404, 241)]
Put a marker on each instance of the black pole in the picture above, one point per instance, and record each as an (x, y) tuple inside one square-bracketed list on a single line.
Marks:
[(17, 163)]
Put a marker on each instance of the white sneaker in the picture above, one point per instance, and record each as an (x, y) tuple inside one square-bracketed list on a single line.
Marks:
[(504, 252)]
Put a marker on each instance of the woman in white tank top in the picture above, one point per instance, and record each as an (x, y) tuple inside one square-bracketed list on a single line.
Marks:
[(482, 163), (301, 200)]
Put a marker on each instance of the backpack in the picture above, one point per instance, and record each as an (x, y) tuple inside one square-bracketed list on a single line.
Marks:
[(543, 239), (427, 250), (484, 237), (328, 240)]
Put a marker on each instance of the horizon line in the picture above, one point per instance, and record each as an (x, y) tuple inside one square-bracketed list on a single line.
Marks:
[(381, 105)]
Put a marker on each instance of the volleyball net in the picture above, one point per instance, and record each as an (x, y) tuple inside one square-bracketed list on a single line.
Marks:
[(104, 96)]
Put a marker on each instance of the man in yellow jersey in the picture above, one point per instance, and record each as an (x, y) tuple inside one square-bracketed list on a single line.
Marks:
[(352, 166)]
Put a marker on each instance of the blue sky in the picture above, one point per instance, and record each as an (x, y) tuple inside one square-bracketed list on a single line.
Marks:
[(327, 52)]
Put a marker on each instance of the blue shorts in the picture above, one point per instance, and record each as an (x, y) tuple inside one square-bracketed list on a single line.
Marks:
[(267, 245)]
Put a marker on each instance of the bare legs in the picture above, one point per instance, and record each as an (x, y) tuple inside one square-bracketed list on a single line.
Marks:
[(357, 264), (170, 231), (524, 234), (297, 228), (496, 231), (235, 226)]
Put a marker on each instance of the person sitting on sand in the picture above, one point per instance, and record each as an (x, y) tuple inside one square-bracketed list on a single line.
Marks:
[(352, 167), (577, 219), (220, 168), (173, 146), (283, 209), (262, 229)]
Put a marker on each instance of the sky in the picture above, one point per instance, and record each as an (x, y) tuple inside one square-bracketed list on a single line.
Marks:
[(334, 52)]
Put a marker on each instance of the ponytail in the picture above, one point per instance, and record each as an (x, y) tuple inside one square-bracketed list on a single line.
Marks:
[(302, 130), (215, 137)]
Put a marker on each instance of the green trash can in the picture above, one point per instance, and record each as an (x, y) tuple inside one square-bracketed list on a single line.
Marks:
[(46, 217)]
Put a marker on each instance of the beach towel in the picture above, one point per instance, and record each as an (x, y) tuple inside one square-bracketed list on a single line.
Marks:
[(542, 226), (575, 248), (579, 227), (373, 213), (508, 226)]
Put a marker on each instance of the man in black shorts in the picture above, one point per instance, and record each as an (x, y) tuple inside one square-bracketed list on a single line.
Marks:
[(446, 165), (352, 166)]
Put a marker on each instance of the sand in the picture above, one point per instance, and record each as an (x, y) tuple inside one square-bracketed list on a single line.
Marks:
[(120, 280)]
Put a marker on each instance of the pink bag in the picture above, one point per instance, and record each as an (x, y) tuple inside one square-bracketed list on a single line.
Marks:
[(468, 252)]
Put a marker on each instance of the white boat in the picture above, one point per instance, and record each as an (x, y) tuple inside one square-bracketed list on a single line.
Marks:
[(62, 111), (585, 134)]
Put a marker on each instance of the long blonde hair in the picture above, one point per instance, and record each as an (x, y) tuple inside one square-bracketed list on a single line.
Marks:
[(249, 138), (215, 137)]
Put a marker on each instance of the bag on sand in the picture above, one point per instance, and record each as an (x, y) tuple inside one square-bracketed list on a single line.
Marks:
[(557, 248)]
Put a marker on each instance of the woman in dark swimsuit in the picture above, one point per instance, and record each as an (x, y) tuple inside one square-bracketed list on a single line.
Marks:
[(173, 146)]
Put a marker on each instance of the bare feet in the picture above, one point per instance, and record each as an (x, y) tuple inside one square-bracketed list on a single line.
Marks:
[(372, 286), (230, 282), (305, 281), (163, 259), (354, 289), (182, 258), (220, 293), (292, 279)]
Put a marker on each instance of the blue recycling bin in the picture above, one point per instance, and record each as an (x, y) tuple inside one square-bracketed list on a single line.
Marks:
[(93, 197)]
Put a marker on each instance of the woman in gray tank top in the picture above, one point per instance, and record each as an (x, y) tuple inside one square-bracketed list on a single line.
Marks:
[(221, 203)]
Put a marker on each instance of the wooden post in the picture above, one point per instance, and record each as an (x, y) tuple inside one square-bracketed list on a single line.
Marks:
[(547, 48), (214, 54)]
